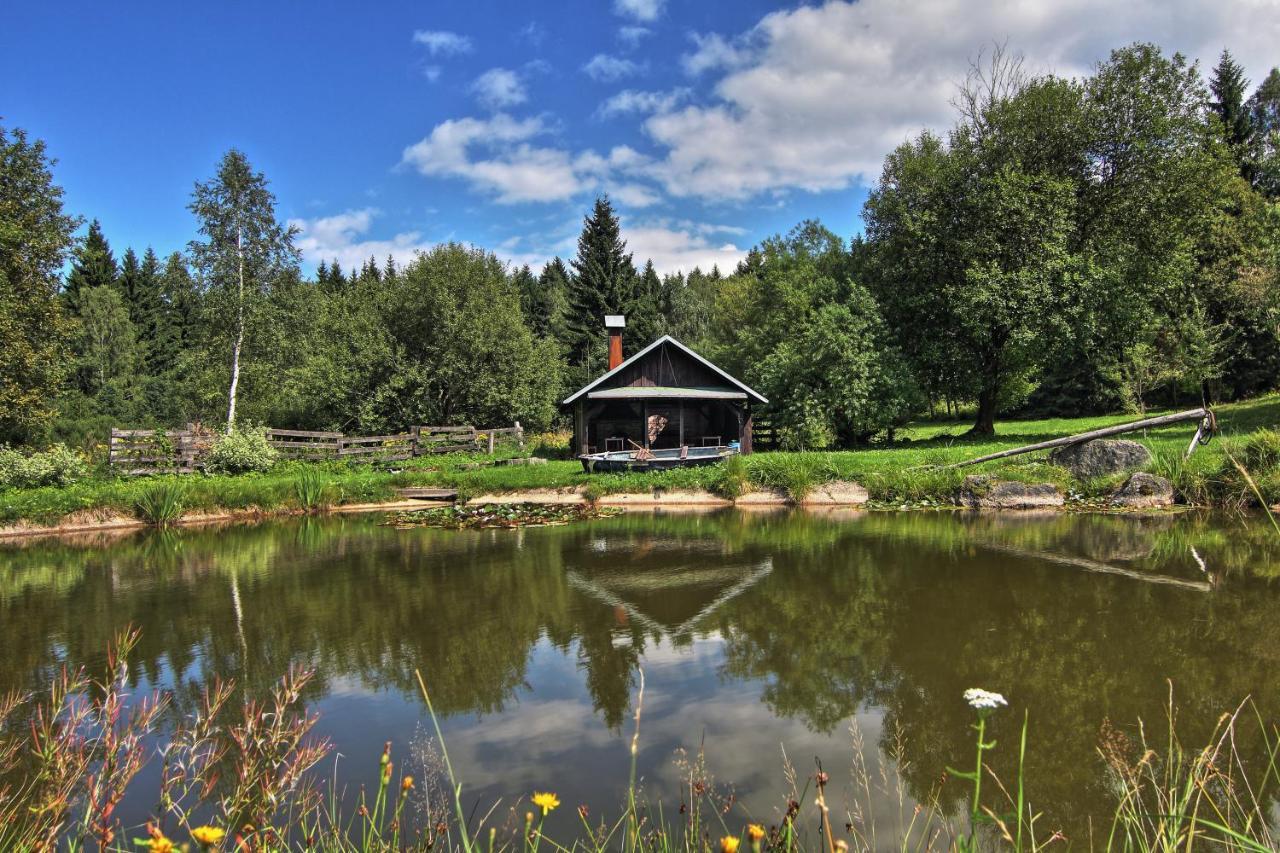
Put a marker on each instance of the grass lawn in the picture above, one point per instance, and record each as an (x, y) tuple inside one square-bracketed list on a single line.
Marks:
[(901, 473)]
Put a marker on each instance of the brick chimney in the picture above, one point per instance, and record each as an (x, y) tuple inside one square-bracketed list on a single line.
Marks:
[(615, 323)]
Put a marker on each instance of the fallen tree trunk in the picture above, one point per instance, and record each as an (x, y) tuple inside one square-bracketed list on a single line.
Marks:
[(1080, 438)]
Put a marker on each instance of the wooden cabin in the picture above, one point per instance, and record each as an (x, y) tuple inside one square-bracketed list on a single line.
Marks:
[(664, 396)]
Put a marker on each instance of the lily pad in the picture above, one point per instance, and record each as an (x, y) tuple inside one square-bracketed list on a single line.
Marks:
[(489, 516)]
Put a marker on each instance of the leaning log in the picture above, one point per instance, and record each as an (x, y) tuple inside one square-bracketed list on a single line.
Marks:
[(1203, 415)]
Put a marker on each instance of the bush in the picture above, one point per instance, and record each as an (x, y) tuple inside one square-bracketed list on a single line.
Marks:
[(57, 466), (241, 452)]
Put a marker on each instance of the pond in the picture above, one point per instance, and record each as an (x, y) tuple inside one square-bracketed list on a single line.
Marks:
[(756, 633)]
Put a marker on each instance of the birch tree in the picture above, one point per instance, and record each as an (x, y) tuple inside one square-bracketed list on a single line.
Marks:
[(242, 249)]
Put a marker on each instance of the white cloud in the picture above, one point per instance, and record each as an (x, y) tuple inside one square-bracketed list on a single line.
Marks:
[(442, 42), (632, 36), (680, 247), (814, 97), (497, 156), (499, 88), (607, 68), (635, 101), (641, 10), (342, 237), (712, 52), (432, 72)]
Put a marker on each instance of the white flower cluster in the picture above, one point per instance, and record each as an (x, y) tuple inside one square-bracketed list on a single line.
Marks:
[(983, 700)]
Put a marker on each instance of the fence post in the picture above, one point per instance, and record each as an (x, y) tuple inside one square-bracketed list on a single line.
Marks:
[(491, 437), (520, 434)]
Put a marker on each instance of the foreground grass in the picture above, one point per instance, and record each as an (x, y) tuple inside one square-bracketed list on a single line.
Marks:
[(246, 775), (905, 472)]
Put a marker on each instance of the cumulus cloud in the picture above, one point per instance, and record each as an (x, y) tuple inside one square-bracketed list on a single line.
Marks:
[(814, 97), (442, 42), (679, 247), (641, 10), (499, 88), (498, 156), (344, 237), (635, 101), (607, 68)]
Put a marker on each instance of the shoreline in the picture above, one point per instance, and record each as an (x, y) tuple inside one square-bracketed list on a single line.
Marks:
[(93, 521)]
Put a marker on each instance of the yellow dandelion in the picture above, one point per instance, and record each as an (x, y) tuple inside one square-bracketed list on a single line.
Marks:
[(729, 844), (208, 836), (545, 801), (755, 831), (160, 844), (407, 784)]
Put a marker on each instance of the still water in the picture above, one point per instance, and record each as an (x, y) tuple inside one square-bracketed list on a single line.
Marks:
[(756, 633)]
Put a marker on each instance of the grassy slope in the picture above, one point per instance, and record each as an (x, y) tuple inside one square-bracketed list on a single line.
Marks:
[(893, 474)]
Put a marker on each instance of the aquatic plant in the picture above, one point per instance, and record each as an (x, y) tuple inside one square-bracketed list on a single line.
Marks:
[(161, 502), (314, 489)]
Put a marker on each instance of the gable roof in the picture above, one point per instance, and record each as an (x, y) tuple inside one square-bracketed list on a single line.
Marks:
[(667, 339)]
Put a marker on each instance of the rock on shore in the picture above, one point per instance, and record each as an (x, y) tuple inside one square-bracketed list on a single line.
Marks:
[(983, 492)]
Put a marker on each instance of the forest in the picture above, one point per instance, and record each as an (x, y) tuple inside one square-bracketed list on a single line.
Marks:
[(1068, 247)]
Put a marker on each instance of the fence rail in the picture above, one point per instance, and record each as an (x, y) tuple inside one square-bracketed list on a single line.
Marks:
[(148, 451)]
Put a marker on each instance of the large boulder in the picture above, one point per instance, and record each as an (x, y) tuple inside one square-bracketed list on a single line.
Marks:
[(1144, 491), (983, 492), (1101, 457)]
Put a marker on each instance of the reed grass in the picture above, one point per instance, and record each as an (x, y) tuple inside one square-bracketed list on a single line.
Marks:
[(161, 503)]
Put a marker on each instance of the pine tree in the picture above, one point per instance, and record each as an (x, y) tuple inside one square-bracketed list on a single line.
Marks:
[(147, 311), (93, 265), (604, 282), (337, 280), (1228, 86), (389, 270), (322, 274)]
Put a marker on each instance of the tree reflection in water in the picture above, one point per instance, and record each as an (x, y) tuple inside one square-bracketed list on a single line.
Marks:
[(821, 618)]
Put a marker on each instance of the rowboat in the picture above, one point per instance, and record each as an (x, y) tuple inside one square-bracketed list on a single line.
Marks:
[(654, 460)]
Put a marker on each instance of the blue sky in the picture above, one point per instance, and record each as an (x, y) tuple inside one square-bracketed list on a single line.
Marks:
[(388, 127)]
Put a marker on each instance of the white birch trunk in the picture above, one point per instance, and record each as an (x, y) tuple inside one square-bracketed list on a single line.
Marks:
[(235, 350)]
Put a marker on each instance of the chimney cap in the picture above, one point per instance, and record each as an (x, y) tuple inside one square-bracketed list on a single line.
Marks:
[(615, 321)]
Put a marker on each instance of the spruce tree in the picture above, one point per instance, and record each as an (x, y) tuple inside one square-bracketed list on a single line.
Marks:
[(322, 274), (1264, 147), (647, 321), (552, 305), (604, 282), (1228, 86), (93, 265)]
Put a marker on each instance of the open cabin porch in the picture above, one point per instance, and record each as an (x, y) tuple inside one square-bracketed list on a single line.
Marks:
[(649, 418)]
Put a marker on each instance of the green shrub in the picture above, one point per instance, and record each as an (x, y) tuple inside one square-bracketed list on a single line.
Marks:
[(57, 466), (241, 451), (161, 502)]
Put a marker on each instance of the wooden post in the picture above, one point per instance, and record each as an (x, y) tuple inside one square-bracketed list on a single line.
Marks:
[(745, 439), (681, 410), (644, 421), (491, 437)]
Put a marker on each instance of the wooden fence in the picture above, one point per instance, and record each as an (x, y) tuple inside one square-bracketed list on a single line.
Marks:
[(156, 451), (144, 451), (764, 436)]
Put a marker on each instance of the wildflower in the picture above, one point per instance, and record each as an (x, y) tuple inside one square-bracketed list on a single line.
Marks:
[(157, 843), (842, 845), (545, 801), (406, 785), (729, 844), (983, 700), (755, 831), (208, 836)]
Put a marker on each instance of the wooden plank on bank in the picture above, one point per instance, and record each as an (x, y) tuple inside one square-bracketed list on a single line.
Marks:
[(423, 494), (1081, 438)]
